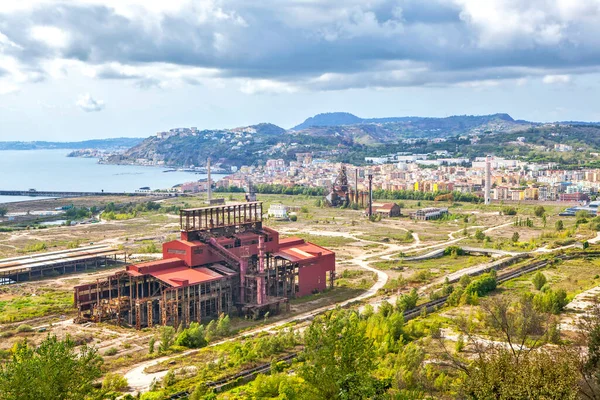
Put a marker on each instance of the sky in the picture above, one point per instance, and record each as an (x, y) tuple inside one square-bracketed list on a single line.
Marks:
[(82, 69)]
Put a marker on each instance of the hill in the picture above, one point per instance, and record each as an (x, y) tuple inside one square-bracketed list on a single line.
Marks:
[(100, 144), (351, 139)]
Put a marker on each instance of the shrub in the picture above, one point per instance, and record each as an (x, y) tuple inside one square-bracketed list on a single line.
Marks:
[(167, 334), (453, 251), (169, 379), (408, 301), (509, 211), (539, 280), (479, 235), (151, 344), (551, 301), (460, 344), (111, 352), (293, 218), (539, 211), (559, 225), (515, 237), (24, 328), (482, 286), (192, 337), (114, 382)]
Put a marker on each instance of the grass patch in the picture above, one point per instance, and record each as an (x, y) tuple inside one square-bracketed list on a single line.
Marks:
[(445, 263), (44, 302), (326, 241)]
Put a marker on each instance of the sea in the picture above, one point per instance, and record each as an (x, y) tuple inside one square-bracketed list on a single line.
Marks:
[(52, 170)]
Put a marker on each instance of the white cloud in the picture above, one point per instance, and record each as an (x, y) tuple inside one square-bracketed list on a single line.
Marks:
[(259, 86), (50, 35), (88, 104), (556, 79)]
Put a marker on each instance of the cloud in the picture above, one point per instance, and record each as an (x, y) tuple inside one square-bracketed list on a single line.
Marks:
[(280, 47), (88, 104), (556, 79)]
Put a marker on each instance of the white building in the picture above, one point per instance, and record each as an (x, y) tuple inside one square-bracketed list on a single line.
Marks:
[(278, 211)]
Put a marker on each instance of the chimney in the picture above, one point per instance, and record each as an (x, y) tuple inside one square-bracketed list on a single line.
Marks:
[(209, 184)]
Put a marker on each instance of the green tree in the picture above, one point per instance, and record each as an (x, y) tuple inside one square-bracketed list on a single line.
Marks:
[(192, 337), (223, 325), (339, 358), (408, 301), (151, 344), (514, 370), (479, 235), (114, 382), (544, 220), (539, 280), (3, 211), (559, 225), (515, 237), (581, 216), (53, 370), (539, 211), (167, 334)]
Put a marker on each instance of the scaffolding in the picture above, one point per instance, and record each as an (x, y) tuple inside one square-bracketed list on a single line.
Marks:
[(146, 301)]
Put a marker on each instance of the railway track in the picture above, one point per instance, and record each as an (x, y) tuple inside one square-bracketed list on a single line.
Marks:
[(432, 305), (246, 374)]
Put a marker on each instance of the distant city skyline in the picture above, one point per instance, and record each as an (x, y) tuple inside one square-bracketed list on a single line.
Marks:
[(87, 69)]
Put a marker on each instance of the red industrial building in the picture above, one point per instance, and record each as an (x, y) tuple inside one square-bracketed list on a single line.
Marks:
[(225, 262)]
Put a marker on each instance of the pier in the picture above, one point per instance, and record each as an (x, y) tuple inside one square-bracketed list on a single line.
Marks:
[(36, 193)]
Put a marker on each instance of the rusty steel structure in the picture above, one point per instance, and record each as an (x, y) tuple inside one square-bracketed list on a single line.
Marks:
[(224, 262)]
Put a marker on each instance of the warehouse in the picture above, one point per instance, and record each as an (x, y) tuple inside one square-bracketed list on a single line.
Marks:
[(224, 262)]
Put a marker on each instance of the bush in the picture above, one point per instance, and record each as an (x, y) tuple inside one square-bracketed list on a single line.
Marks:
[(167, 334), (509, 211), (408, 301), (551, 301), (169, 379), (539, 280), (515, 237), (453, 251), (559, 225), (479, 235), (460, 344), (482, 286), (539, 211), (192, 337), (114, 382), (293, 218), (111, 352), (24, 328)]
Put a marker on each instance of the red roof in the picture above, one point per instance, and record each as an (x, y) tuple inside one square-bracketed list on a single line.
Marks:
[(295, 249), (151, 266), (173, 272), (184, 276)]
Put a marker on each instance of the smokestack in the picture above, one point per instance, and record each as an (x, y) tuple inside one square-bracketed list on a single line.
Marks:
[(370, 194), (488, 180), (209, 189), (356, 185)]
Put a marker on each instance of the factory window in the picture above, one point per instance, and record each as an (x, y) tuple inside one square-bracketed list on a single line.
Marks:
[(254, 242), (197, 251), (228, 246), (175, 251)]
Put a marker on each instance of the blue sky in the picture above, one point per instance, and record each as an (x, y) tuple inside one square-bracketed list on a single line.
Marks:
[(91, 69)]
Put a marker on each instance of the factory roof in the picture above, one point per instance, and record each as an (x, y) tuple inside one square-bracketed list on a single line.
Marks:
[(185, 276), (296, 249), (174, 272)]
